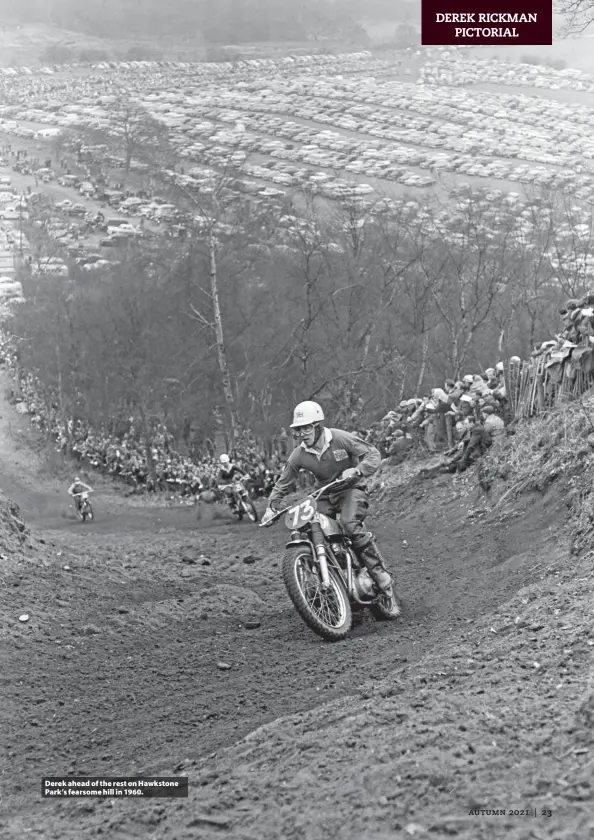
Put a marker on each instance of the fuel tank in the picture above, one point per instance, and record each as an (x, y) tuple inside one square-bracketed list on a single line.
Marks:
[(330, 527)]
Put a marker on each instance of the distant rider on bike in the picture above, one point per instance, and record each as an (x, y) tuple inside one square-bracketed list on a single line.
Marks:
[(330, 454), (227, 472), (76, 488)]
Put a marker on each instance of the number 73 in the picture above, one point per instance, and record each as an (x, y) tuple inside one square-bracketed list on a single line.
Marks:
[(302, 512)]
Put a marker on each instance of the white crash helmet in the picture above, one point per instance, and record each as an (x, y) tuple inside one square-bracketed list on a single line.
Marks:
[(224, 459), (307, 412)]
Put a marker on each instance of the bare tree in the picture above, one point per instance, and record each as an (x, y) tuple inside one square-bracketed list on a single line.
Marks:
[(579, 14), (217, 218)]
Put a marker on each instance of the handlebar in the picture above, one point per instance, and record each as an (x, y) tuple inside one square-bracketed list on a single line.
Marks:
[(343, 483)]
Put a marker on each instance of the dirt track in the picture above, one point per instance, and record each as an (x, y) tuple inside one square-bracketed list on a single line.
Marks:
[(116, 672)]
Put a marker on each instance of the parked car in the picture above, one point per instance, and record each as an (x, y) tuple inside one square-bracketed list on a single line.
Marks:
[(76, 210), (10, 214), (114, 241), (125, 228)]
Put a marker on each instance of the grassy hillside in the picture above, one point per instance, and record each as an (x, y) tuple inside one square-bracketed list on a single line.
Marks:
[(25, 45), (228, 21)]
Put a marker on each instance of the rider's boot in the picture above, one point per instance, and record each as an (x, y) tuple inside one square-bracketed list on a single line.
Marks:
[(374, 563)]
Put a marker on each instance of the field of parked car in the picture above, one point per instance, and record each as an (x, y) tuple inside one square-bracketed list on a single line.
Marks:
[(324, 123), (341, 128)]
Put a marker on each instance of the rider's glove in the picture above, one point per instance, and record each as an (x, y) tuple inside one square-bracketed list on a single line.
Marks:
[(268, 515), (350, 473)]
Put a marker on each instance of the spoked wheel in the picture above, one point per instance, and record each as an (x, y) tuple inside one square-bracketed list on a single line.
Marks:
[(88, 514), (325, 611)]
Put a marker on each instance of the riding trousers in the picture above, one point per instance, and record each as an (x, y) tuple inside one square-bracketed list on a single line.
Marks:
[(352, 506)]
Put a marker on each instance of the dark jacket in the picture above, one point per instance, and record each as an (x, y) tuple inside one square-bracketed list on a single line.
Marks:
[(227, 474)]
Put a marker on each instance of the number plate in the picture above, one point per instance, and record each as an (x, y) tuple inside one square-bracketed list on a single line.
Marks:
[(299, 515)]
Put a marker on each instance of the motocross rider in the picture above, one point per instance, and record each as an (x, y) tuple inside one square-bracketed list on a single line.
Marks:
[(76, 488), (330, 454), (227, 472)]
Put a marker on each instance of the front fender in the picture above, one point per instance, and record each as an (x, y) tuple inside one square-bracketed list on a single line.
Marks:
[(295, 541)]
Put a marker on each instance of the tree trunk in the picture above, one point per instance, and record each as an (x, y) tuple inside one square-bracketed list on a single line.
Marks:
[(148, 447), (220, 339), (456, 358), (424, 354), (61, 402)]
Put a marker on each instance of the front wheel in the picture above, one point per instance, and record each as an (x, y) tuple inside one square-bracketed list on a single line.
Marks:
[(326, 612), (250, 510)]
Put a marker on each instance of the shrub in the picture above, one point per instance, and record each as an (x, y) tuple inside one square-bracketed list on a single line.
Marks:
[(143, 52), (92, 54), (57, 54), (556, 63)]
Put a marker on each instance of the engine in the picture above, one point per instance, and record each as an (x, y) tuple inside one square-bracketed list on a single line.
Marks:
[(364, 585)]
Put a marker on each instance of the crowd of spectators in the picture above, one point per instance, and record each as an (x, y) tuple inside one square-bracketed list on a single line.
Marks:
[(146, 468), (561, 368), (461, 420)]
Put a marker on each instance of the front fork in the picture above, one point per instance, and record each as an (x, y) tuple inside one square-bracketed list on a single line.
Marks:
[(318, 544), (320, 548)]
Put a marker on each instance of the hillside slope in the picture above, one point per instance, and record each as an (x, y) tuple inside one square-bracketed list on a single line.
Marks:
[(25, 45)]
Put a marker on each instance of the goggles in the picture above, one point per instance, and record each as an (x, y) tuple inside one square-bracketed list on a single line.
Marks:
[(303, 431)]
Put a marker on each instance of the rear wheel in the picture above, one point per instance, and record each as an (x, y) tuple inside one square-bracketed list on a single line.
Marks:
[(386, 608), (326, 612)]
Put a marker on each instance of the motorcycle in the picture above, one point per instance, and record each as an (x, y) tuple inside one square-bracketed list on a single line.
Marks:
[(240, 502), (84, 510), (323, 576)]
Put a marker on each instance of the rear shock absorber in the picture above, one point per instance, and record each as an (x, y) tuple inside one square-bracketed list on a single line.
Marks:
[(320, 547)]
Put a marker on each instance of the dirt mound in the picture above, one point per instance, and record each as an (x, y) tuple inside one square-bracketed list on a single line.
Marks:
[(16, 544), (20, 555), (13, 531)]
